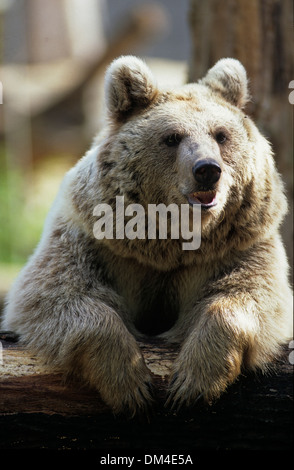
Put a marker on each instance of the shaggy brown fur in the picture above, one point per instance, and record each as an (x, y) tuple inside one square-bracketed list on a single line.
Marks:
[(82, 303)]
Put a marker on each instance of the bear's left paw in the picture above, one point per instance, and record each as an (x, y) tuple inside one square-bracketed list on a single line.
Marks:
[(183, 392), (190, 383)]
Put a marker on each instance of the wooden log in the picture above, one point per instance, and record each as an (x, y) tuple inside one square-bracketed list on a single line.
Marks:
[(37, 410), (27, 386)]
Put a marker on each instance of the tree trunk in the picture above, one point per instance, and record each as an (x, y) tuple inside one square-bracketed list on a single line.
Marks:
[(260, 34), (37, 410)]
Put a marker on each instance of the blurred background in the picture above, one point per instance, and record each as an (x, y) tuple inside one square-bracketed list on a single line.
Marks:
[(53, 58)]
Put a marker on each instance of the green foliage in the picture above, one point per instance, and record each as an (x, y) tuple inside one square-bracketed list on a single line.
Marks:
[(21, 215)]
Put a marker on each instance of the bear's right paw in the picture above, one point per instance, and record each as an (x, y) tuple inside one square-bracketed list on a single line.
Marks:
[(138, 402), (129, 392)]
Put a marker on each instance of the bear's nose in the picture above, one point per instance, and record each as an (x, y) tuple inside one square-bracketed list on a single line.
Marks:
[(206, 172)]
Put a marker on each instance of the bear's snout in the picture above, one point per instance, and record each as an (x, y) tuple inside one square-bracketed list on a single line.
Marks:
[(206, 172)]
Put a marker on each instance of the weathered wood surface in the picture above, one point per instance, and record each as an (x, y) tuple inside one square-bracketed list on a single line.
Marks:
[(27, 386), (37, 410)]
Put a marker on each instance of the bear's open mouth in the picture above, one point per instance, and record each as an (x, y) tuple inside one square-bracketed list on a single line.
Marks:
[(205, 198)]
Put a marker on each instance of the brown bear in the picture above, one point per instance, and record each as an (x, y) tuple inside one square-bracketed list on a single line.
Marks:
[(87, 295)]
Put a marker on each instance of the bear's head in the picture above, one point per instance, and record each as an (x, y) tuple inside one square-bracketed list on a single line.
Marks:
[(193, 145)]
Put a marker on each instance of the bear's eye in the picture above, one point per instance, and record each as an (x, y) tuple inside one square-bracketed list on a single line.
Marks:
[(220, 137), (173, 140)]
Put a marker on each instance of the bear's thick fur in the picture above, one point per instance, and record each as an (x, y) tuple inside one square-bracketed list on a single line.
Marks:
[(82, 303)]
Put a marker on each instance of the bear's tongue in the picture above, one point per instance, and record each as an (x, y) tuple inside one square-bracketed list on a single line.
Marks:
[(203, 197)]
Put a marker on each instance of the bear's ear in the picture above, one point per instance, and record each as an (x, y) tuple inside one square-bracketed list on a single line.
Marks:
[(228, 77), (129, 86)]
